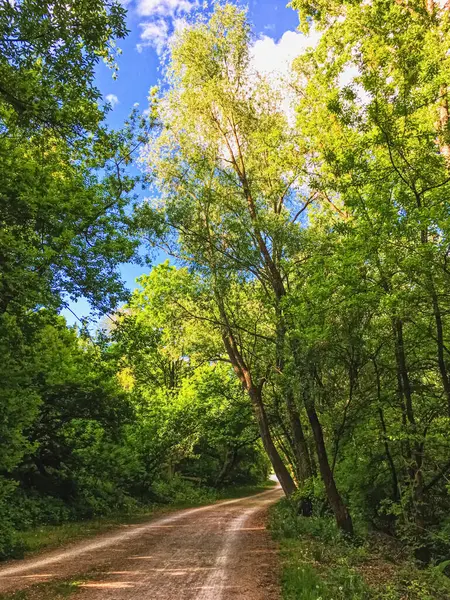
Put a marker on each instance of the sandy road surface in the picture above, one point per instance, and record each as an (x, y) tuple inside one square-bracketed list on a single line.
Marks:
[(218, 552)]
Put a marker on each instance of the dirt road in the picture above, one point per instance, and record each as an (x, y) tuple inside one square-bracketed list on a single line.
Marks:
[(217, 552)]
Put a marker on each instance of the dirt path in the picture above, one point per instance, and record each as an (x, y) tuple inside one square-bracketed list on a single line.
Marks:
[(218, 552)]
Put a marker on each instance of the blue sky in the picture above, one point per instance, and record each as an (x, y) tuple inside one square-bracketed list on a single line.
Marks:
[(151, 23)]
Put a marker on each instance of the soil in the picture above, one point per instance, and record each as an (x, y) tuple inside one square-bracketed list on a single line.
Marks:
[(217, 552)]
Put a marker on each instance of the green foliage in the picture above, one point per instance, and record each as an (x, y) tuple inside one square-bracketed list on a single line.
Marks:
[(183, 492), (192, 412), (48, 55), (9, 544), (311, 322), (63, 186), (286, 524), (115, 426), (320, 563), (417, 585)]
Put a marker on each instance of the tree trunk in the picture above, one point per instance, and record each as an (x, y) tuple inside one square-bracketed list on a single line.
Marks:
[(283, 475), (403, 370), (228, 465), (342, 516), (440, 347), (415, 470), (288, 451), (387, 450), (255, 394), (300, 447)]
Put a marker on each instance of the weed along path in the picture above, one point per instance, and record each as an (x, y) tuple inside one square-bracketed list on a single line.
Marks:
[(216, 552)]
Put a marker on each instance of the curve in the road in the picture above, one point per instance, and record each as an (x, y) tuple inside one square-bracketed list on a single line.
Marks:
[(216, 552)]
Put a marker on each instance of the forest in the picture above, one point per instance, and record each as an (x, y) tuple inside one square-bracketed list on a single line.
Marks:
[(300, 321)]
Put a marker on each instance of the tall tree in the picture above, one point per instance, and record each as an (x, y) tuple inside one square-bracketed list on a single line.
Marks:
[(229, 168)]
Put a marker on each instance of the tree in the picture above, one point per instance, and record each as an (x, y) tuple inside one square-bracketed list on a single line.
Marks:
[(229, 168), (64, 192), (49, 51), (190, 406)]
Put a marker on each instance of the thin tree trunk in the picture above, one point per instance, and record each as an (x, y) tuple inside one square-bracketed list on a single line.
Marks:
[(228, 464), (341, 430), (289, 448), (300, 446), (283, 475), (286, 452), (443, 115), (415, 470), (440, 347), (403, 370), (287, 435), (387, 450), (342, 516), (442, 125), (255, 394)]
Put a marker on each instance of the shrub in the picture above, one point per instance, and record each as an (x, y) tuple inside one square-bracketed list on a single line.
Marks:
[(9, 544), (181, 491), (286, 523)]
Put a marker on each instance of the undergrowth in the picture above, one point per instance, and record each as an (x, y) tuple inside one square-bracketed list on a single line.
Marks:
[(54, 590), (318, 563)]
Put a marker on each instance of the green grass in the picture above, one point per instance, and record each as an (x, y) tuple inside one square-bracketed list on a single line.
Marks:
[(245, 490), (319, 564), (52, 536), (55, 590)]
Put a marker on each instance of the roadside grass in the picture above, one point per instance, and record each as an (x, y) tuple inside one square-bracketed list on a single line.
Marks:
[(47, 537), (245, 490), (53, 536), (319, 564), (54, 590)]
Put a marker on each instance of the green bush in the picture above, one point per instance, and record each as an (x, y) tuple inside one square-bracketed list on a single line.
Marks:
[(26, 511), (286, 523), (182, 491), (320, 564), (414, 584), (10, 546)]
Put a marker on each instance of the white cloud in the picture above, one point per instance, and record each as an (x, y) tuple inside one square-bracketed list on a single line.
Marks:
[(273, 58), (154, 34), (112, 99), (164, 18), (179, 24), (166, 8)]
